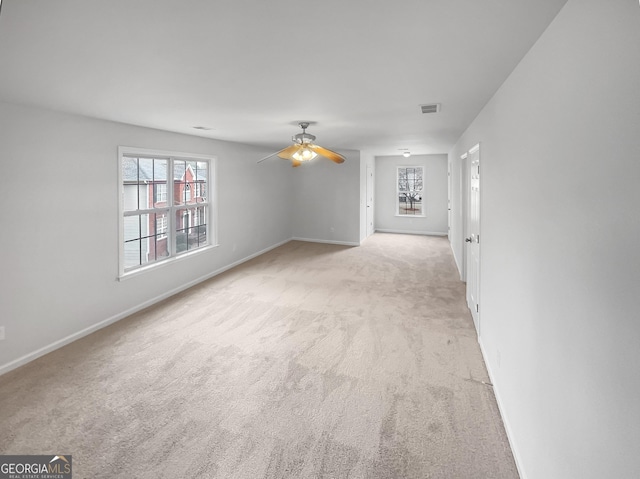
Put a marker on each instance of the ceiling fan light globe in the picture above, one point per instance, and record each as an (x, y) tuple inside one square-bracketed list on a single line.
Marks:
[(304, 154)]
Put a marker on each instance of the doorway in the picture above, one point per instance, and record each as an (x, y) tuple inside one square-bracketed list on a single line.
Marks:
[(472, 241), (369, 200)]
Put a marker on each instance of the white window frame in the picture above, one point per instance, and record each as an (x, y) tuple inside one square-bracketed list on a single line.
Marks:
[(171, 209), (398, 192)]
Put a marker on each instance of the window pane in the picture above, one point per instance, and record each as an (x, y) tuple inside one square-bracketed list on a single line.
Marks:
[(145, 165), (137, 177), (131, 227), (179, 168), (402, 179), (146, 225), (146, 255), (161, 247), (198, 238), (410, 178), (191, 228), (156, 242), (160, 194), (130, 183), (161, 220), (188, 193), (159, 171), (410, 203), (131, 253), (157, 182), (200, 180), (143, 194)]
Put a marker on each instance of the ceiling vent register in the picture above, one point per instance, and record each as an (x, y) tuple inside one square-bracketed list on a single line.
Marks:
[(432, 108)]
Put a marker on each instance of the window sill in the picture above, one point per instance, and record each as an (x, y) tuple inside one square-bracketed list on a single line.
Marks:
[(165, 262)]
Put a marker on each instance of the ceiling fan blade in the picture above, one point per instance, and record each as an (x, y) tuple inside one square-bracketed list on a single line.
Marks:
[(295, 163), (331, 155), (267, 157), (278, 153), (288, 152)]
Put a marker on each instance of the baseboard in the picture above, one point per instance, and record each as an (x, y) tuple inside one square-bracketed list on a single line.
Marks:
[(505, 419), (455, 258), (27, 358), (422, 233), (343, 243)]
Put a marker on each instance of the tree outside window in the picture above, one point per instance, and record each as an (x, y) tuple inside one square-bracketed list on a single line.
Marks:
[(410, 191)]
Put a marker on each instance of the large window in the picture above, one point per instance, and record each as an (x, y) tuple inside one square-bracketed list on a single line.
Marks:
[(410, 193), (160, 217)]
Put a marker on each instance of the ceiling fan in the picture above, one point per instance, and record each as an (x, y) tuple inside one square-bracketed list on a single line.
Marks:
[(303, 149)]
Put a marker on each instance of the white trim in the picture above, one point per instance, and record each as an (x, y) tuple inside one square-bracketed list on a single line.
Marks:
[(505, 420), (403, 232), (311, 240), (149, 153), (11, 365), (474, 148), (462, 213), (165, 262)]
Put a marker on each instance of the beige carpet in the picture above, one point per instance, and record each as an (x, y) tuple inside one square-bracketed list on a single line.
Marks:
[(311, 361)]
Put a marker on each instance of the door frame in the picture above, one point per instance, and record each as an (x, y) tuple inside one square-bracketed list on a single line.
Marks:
[(370, 194), (449, 200), (462, 188), (468, 157)]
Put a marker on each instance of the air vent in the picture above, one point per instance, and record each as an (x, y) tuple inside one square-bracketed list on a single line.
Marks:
[(432, 108)]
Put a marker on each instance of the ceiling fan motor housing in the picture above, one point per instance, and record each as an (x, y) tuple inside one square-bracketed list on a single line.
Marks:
[(303, 138)]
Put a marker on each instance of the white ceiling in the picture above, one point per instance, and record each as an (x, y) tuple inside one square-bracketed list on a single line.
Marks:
[(251, 69)]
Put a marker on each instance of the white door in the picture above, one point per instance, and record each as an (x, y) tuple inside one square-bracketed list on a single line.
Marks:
[(473, 235), (369, 201)]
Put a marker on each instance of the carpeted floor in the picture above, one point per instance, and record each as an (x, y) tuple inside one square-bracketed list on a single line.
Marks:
[(311, 361)]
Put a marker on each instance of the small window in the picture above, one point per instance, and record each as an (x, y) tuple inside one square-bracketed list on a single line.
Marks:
[(159, 222), (410, 191), (161, 192), (161, 226)]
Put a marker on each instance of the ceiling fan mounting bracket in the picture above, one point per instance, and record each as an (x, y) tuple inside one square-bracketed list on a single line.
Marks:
[(304, 137)]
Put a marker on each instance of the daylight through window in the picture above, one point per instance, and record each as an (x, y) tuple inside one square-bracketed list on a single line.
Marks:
[(410, 184), (165, 210)]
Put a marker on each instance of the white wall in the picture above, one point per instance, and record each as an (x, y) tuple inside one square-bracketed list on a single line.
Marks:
[(560, 281), (326, 200), (434, 200), (59, 217)]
